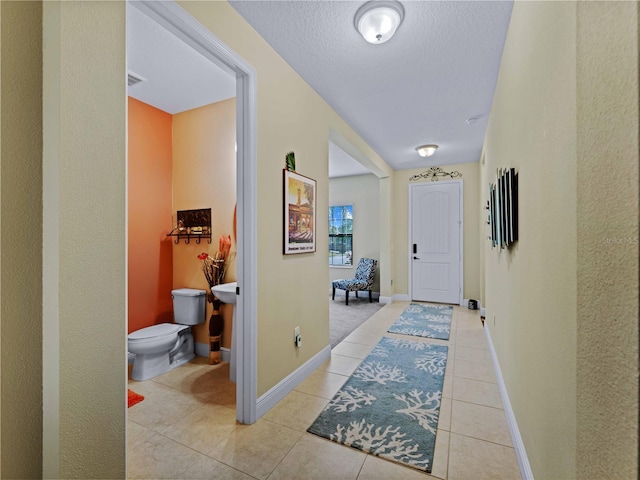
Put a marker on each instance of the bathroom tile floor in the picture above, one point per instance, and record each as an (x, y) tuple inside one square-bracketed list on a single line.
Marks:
[(186, 428)]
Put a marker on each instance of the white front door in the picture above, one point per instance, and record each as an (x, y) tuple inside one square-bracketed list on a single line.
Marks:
[(435, 234)]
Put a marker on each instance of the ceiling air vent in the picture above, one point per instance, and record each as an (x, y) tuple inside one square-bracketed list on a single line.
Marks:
[(134, 78)]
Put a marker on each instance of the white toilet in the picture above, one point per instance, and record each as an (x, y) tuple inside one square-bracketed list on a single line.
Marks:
[(160, 348)]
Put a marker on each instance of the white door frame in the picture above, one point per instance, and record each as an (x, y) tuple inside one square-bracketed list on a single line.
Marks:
[(184, 26), (409, 233)]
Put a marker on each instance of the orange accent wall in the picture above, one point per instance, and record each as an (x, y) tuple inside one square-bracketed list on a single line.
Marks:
[(150, 215)]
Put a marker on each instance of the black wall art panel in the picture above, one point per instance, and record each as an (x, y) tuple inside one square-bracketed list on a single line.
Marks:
[(503, 208)]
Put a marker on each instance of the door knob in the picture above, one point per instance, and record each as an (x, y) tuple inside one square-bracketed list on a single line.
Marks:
[(416, 258)]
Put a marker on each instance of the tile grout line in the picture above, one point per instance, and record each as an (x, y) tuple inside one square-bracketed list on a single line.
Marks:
[(484, 440), (476, 404), (301, 434), (475, 379), (453, 373)]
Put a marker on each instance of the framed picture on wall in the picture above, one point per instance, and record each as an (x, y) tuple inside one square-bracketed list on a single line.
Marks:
[(299, 213)]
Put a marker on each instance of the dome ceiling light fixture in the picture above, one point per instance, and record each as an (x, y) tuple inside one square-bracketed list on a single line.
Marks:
[(378, 20), (426, 150)]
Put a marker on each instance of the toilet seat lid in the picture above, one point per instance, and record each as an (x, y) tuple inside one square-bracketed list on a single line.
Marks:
[(159, 330)]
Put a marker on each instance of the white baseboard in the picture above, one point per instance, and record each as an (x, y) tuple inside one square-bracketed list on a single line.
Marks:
[(401, 297), (225, 354), (279, 391), (516, 438), (396, 297), (202, 350)]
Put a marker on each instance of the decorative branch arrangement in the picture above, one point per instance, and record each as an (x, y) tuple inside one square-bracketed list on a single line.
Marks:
[(433, 173), (214, 268)]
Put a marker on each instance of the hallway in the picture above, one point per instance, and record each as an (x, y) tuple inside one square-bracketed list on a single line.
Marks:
[(184, 430)]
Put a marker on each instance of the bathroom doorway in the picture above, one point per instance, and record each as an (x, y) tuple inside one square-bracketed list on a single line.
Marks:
[(214, 55)]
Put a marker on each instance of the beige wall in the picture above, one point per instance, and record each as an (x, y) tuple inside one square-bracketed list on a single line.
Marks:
[(85, 159), (561, 304), (363, 192), (204, 176), (530, 289), (535, 324), (291, 116), (21, 241), (400, 252), (607, 222), (87, 54)]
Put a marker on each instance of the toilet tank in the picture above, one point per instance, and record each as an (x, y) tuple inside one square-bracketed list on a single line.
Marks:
[(189, 306)]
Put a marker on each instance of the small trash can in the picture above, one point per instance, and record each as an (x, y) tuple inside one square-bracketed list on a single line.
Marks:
[(473, 304)]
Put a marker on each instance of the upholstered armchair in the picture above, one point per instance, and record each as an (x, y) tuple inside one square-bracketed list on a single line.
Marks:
[(363, 281)]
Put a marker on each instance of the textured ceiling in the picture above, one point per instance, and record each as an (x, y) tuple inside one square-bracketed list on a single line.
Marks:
[(420, 87), (341, 164), (177, 77)]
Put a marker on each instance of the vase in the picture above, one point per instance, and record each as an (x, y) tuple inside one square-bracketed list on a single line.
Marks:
[(216, 324)]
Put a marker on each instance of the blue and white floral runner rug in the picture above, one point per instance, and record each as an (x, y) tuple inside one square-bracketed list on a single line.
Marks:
[(389, 407), (430, 321)]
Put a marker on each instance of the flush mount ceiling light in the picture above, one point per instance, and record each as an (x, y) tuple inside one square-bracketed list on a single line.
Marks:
[(378, 20), (426, 150)]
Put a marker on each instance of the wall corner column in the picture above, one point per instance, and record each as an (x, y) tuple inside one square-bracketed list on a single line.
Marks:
[(607, 252), (386, 229), (84, 267)]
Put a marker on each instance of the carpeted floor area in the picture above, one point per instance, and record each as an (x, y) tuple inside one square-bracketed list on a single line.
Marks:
[(345, 319)]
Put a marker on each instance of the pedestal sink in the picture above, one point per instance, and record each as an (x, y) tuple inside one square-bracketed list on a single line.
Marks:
[(226, 293)]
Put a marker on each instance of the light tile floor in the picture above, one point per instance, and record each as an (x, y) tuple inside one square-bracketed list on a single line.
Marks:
[(186, 429)]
